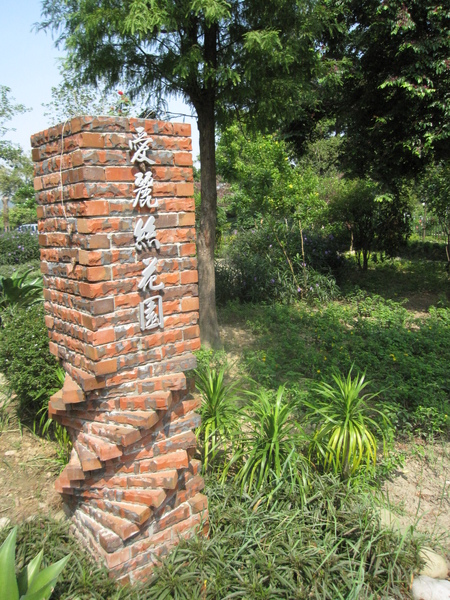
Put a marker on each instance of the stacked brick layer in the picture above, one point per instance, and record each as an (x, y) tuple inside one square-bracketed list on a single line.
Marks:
[(132, 482)]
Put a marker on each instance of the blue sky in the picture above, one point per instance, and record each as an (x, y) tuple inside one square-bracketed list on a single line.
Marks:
[(29, 66)]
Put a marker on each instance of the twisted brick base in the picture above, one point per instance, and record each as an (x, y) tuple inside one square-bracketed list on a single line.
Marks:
[(132, 483)]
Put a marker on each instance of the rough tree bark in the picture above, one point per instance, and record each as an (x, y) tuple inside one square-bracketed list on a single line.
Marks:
[(209, 326)]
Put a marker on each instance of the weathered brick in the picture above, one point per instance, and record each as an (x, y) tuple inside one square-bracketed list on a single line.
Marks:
[(126, 403), (198, 503), (166, 480)]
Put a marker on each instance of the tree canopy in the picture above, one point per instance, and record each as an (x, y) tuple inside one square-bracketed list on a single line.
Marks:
[(8, 151), (394, 102)]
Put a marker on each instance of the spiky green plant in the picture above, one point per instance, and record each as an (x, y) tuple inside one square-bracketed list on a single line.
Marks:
[(16, 291), (344, 434), (218, 411), (268, 447), (32, 583)]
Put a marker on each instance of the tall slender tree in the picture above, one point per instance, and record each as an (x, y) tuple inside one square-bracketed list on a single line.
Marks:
[(223, 57)]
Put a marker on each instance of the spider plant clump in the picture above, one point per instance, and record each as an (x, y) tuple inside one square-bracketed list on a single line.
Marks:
[(344, 428), (268, 448), (219, 413)]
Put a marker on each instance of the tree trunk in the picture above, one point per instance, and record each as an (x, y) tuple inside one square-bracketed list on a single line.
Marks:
[(209, 326), (366, 254), (447, 251), (5, 213)]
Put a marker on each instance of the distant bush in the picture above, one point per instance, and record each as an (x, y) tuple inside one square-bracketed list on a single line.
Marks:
[(33, 265), (425, 250), (25, 359), (17, 247), (268, 263)]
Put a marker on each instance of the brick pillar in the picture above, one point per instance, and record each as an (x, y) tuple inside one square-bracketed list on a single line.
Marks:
[(132, 484)]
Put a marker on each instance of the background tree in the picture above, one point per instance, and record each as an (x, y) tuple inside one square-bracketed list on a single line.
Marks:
[(253, 58), (8, 150), (15, 167), (393, 105), (435, 191), (71, 98), (16, 188), (266, 180), (373, 221)]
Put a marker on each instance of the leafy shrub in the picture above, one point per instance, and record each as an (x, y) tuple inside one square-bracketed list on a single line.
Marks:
[(266, 264), (32, 582), (83, 579), (327, 548), (425, 250), (405, 356), (17, 247), (428, 421), (18, 291), (25, 359), (34, 266)]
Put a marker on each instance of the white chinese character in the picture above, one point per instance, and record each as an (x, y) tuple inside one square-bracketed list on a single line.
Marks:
[(146, 235), (148, 277), (139, 144), (148, 317), (144, 187)]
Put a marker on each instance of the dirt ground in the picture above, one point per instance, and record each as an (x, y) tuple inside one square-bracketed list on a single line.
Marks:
[(419, 493), (28, 469)]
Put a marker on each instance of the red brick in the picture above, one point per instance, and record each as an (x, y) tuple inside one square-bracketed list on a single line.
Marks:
[(188, 304), (122, 527), (144, 419), (179, 514), (105, 367), (189, 277), (120, 173), (186, 219), (88, 459), (182, 129), (163, 479), (198, 503), (109, 541), (183, 159), (136, 513), (92, 140), (103, 450), (188, 249), (184, 189), (116, 434), (192, 525), (148, 497), (174, 460)]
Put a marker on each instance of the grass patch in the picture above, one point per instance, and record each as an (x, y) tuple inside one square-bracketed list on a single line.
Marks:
[(330, 547), (404, 356), (419, 283)]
